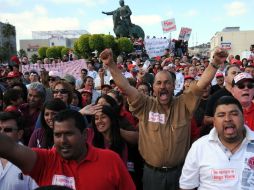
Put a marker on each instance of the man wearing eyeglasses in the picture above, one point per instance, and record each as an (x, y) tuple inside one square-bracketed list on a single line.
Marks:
[(11, 177), (243, 91)]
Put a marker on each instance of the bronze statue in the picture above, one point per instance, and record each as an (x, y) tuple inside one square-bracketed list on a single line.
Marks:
[(123, 26)]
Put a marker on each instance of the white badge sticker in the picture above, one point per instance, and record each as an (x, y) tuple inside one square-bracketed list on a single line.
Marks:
[(64, 181)]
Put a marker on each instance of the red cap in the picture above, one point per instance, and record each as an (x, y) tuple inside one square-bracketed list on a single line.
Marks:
[(13, 74), (219, 75), (188, 77)]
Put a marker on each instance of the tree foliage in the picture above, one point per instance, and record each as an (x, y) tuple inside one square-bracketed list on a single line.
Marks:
[(22, 53), (52, 52), (42, 52), (34, 58), (124, 45), (65, 51), (83, 45), (96, 42)]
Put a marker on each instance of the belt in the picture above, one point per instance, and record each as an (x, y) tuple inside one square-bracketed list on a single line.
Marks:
[(163, 168)]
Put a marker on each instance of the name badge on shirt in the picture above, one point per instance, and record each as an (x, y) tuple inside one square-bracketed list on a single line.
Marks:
[(156, 117), (224, 174), (64, 181)]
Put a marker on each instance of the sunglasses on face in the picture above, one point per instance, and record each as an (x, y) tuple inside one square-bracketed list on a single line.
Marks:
[(248, 85), (8, 129), (62, 91)]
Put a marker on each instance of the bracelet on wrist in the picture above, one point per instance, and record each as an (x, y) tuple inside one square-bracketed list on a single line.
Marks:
[(215, 66)]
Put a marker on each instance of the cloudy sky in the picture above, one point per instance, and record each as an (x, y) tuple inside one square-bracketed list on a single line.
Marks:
[(205, 17)]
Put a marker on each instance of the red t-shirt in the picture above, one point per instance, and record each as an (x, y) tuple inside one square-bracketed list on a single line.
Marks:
[(100, 170), (249, 117)]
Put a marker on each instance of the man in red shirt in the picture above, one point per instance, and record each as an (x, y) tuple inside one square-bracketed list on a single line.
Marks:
[(71, 163), (243, 91)]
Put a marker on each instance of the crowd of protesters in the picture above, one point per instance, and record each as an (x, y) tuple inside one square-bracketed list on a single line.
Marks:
[(144, 113)]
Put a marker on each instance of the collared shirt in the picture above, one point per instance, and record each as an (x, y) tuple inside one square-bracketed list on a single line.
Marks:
[(164, 135), (100, 170), (209, 165), (12, 178)]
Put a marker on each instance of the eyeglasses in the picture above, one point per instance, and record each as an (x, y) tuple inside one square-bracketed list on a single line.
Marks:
[(62, 91), (8, 129), (248, 85)]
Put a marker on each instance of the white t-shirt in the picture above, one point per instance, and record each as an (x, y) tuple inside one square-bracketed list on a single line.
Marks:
[(210, 166)]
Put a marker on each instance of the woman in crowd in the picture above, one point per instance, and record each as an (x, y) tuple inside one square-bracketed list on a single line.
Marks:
[(106, 132), (43, 137)]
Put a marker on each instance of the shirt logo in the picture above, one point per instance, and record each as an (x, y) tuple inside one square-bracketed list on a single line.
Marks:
[(64, 181), (251, 162), (224, 174), (156, 117)]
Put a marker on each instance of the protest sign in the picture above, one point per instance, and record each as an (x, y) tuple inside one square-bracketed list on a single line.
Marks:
[(185, 34), (63, 68), (168, 25), (156, 46), (226, 45)]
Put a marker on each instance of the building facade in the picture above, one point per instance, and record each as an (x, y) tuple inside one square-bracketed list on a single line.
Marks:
[(233, 40), (50, 38)]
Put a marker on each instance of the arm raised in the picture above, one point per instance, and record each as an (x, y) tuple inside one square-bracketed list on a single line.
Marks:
[(21, 156), (219, 58), (107, 58)]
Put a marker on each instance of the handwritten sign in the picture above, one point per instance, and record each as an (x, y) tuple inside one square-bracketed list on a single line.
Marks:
[(156, 46), (168, 25), (185, 34)]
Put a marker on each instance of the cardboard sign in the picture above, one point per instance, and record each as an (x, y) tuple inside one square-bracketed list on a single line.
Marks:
[(156, 46), (168, 25), (185, 34)]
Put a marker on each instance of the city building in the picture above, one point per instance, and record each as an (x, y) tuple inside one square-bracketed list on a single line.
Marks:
[(237, 42), (64, 38)]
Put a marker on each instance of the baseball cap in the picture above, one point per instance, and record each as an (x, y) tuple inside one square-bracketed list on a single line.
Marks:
[(242, 77), (188, 77), (219, 75), (69, 78), (13, 74), (54, 74), (86, 91)]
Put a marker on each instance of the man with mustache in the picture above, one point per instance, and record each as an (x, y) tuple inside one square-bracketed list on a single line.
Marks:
[(72, 162), (223, 159), (243, 91), (164, 121)]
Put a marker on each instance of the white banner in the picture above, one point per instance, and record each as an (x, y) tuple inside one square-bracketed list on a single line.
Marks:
[(70, 67), (168, 25), (185, 34), (156, 46)]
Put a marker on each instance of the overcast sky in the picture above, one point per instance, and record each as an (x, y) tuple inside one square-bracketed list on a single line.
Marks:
[(205, 17)]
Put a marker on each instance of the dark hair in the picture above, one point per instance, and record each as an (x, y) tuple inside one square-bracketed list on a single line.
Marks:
[(66, 86), (5, 116), (147, 85), (226, 100), (229, 67), (118, 96), (24, 90), (11, 95), (79, 98), (111, 101), (117, 142), (55, 105), (74, 115), (85, 70), (53, 187)]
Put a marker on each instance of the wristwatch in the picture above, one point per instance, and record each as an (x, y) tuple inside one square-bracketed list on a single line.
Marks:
[(215, 66)]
